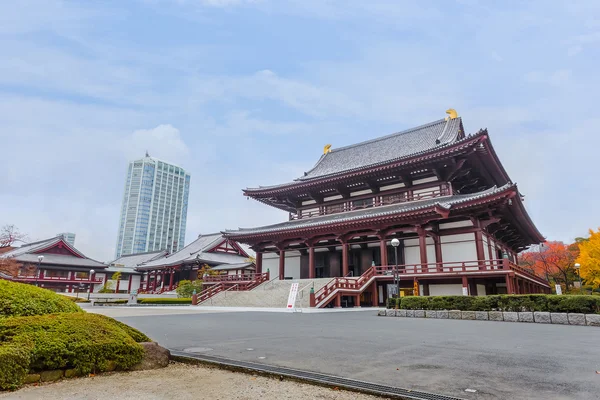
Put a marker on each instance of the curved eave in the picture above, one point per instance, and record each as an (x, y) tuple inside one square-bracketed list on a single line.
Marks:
[(435, 211), (430, 155), (492, 162), (525, 222)]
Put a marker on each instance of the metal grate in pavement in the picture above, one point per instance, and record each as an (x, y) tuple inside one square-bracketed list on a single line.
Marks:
[(329, 380)]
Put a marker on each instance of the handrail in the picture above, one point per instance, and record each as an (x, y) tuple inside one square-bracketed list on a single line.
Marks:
[(417, 269), (302, 290), (270, 282)]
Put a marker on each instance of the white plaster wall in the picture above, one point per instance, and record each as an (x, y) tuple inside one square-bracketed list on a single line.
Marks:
[(425, 190), (459, 248), (445, 290), (412, 253), (330, 198), (390, 187), (292, 264), (135, 282), (361, 192), (457, 224), (486, 251), (425, 180), (481, 290)]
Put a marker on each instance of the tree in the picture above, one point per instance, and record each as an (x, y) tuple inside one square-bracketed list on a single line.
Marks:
[(589, 259), (116, 277), (10, 234), (9, 266), (554, 261), (186, 288)]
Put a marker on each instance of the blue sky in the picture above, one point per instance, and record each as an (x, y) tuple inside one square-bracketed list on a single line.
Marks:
[(246, 93)]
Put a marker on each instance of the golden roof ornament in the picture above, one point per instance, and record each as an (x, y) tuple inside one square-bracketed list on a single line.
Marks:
[(327, 149), (452, 114)]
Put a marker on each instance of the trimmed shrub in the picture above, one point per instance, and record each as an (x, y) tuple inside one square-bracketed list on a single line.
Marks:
[(515, 303), (75, 299), (186, 288), (583, 304), (136, 335), (80, 341), (14, 365), (159, 300), (20, 299)]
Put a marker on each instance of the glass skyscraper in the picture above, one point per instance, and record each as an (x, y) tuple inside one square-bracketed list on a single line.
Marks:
[(154, 210)]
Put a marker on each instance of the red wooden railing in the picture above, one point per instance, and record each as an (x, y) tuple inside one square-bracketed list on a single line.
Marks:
[(447, 268), (347, 205), (236, 278), (66, 279), (243, 282)]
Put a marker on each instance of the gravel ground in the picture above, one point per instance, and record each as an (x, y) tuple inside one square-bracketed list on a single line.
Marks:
[(180, 381)]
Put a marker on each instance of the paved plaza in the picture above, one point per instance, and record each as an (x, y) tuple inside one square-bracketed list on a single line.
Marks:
[(499, 360)]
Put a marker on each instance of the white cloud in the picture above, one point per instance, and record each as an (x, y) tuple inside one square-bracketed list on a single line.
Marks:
[(164, 142)]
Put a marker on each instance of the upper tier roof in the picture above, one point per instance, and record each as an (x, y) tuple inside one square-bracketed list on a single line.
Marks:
[(387, 148), (383, 150)]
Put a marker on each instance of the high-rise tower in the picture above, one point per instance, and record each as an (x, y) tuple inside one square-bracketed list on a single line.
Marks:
[(154, 209)]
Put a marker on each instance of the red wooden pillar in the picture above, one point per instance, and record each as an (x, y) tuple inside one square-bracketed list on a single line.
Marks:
[(171, 279), (509, 284), (383, 250), (154, 281), (281, 264), (490, 251), (357, 300), (438, 254), (129, 283), (479, 247), (117, 286), (344, 258), (338, 301), (423, 247), (465, 285), (374, 297), (259, 262), (311, 261)]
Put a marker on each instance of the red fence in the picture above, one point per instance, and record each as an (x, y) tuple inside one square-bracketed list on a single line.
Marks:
[(231, 282), (447, 268)]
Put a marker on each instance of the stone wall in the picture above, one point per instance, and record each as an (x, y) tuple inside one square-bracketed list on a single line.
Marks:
[(531, 317)]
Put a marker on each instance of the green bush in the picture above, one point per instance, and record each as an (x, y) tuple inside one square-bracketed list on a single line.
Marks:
[(75, 299), (136, 335), (159, 300), (186, 288), (530, 302), (14, 365), (20, 299), (85, 342)]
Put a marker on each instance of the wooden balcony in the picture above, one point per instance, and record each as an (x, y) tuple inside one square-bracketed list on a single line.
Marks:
[(379, 200), (56, 279)]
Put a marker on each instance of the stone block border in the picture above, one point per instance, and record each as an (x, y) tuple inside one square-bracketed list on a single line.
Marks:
[(527, 317)]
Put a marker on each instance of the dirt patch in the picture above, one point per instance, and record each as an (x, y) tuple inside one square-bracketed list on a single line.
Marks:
[(182, 382)]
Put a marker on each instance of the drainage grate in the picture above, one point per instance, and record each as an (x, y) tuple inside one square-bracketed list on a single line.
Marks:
[(329, 380)]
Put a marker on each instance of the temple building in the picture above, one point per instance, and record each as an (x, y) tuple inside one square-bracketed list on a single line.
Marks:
[(222, 255), (56, 265), (458, 219)]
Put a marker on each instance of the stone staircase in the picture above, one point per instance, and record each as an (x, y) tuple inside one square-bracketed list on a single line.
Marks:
[(273, 294)]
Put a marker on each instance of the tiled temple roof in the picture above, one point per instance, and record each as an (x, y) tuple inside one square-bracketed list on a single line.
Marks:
[(444, 202), (383, 150)]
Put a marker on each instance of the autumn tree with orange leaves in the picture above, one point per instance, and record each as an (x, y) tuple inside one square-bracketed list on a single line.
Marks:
[(589, 259), (554, 261)]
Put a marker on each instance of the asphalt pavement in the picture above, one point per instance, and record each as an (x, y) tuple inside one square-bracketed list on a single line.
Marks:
[(499, 360)]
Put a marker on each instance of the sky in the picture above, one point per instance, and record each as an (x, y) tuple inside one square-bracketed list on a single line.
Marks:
[(243, 93)]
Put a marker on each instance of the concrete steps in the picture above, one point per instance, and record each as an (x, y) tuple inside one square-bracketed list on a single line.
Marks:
[(272, 294)]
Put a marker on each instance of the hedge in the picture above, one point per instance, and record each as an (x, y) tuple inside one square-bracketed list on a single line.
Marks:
[(158, 300), (531, 302), (81, 341), (19, 299)]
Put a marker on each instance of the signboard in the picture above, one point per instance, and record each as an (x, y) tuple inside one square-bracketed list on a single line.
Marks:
[(292, 298), (558, 289), (416, 288), (465, 291)]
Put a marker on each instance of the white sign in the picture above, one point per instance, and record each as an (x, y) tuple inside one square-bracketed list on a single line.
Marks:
[(465, 291), (558, 289), (292, 298)]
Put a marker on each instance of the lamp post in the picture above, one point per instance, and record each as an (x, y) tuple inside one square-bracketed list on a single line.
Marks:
[(577, 267), (92, 272), (37, 272), (395, 244)]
